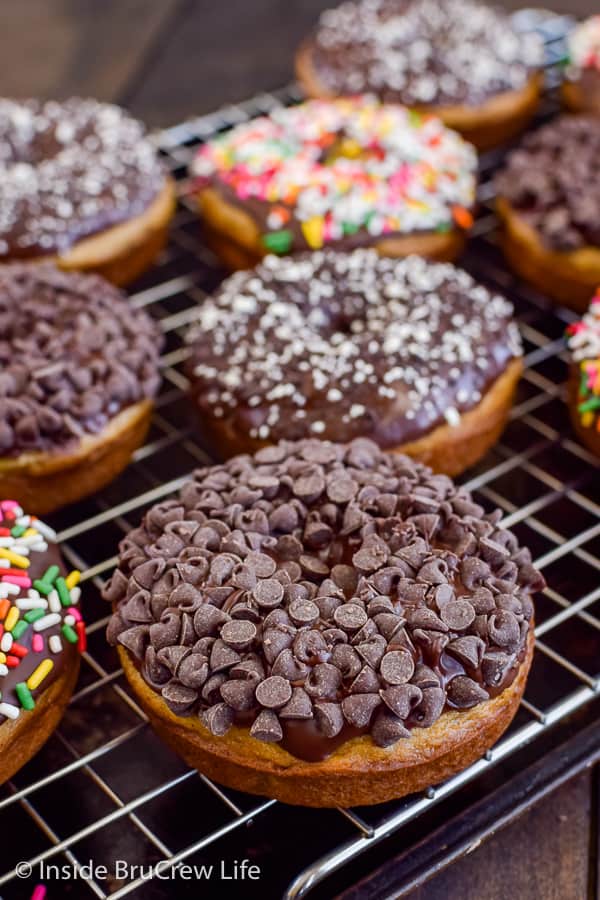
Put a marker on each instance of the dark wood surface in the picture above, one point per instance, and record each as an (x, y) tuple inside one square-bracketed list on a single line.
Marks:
[(164, 59), (168, 59)]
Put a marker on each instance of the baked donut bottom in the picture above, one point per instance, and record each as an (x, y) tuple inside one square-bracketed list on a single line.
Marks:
[(357, 773), (21, 738), (44, 481), (234, 237), (121, 253), (582, 95), (569, 277), (493, 122), (449, 449), (590, 436)]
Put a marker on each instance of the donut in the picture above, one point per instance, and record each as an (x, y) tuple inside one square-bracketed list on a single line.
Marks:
[(41, 635), (458, 59), (343, 173), (326, 624), (412, 354), (581, 86), (80, 184), (78, 374), (549, 206), (583, 386)]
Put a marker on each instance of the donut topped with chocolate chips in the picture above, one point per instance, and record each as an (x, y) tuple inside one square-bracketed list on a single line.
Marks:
[(553, 182), (73, 354), (69, 170), (422, 52), (340, 345), (315, 592)]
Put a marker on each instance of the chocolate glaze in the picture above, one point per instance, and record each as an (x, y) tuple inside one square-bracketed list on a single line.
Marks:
[(421, 52), (73, 354), (69, 170), (346, 345), (553, 181), (40, 561), (334, 586)]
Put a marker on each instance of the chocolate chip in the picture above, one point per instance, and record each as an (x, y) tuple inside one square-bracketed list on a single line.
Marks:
[(458, 614), (165, 632), (274, 641), (341, 489), (208, 619), (323, 681), (262, 565), (327, 606), (317, 535), (473, 571), (468, 650), (366, 682), (350, 616), (434, 571), (266, 727), (314, 566), (372, 557), (289, 667), (397, 666), (388, 624), (250, 669), (193, 670), (463, 692), (298, 707), (268, 593), (222, 657), (347, 660), (171, 657), (482, 601), (380, 605), (443, 594), (284, 518), (308, 487), (244, 578), (494, 667), (358, 708), (273, 692), (309, 645), (430, 708), (329, 718), (238, 694), (333, 636), (345, 577), (178, 697), (387, 728), (154, 673), (136, 639), (238, 634), (423, 617), (402, 698), (218, 719), (503, 628), (303, 612), (372, 650)]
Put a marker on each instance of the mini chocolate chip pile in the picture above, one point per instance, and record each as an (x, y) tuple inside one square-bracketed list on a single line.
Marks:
[(73, 354), (341, 345), (553, 182), (422, 51), (314, 592), (68, 170)]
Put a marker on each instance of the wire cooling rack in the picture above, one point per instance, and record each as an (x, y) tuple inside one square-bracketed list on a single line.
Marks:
[(105, 789)]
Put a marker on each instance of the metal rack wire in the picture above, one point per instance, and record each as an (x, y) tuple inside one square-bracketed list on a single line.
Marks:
[(128, 796)]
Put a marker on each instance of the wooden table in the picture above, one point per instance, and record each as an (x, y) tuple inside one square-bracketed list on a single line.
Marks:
[(164, 59), (168, 59)]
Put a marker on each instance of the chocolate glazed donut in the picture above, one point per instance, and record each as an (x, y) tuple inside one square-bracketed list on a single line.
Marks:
[(415, 355), (323, 623), (459, 60), (81, 184), (549, 205), (78, 374)]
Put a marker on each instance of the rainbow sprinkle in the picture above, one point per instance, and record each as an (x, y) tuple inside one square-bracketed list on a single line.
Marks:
[(30, 623), (584, 344), (584, 45), (333, 168)]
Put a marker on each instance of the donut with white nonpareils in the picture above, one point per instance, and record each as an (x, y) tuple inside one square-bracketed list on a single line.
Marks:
[(78, 374), (459, 59), (415, 355), (80, 182), (324, 623), (346, 173), (42, 634)]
